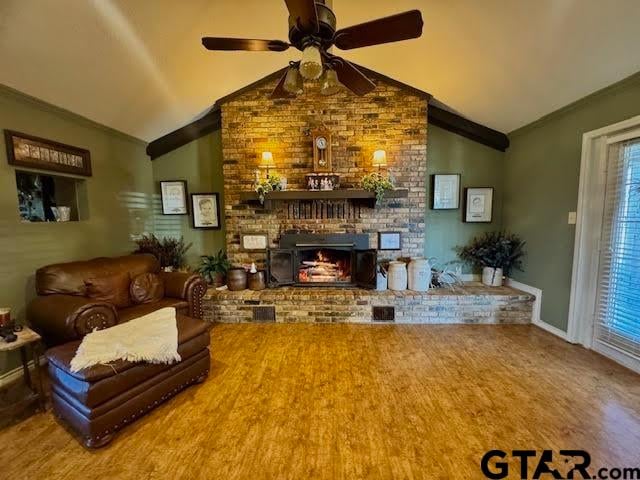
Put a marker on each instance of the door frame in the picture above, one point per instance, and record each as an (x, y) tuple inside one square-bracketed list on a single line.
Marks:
[(586, 254)]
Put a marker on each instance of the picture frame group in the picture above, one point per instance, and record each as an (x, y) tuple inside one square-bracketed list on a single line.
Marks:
[(445, 195), (204, 206)]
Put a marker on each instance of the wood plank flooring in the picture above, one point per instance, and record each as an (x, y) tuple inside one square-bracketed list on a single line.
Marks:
[(300, 401)]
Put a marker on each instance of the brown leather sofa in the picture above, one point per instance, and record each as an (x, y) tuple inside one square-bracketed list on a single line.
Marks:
[(98, 401)]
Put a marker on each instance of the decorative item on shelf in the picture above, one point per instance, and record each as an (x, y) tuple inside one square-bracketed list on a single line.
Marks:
[(254, 241), (34, 152), (214, 268), (381, 276), (377, 183), (237, 279), (497, 253), (256, 279), (270, 184), (206, 210), (173, 195), (322, 162), (379, 159), (322, 181), (397, 275), (61, 214), (444, 277), (267, 162), (445, 191), (170, 252), (478, 205), (419, 274), (389, 241), (7, 330)]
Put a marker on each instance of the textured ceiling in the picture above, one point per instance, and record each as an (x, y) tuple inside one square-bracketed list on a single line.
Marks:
[(138, 66)]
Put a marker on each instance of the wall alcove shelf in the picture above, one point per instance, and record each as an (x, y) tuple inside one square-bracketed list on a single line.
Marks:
[(353, 195)]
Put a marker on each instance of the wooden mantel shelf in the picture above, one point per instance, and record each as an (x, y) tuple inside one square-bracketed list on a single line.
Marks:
[(306, 195)]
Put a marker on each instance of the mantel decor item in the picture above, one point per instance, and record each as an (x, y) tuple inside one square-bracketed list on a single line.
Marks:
[(272, 183), (478, 205), (321, 150), (497, 253), (206, 210), (377, 183), (389, 241), (25, 150), (173, 194), (322, 181), (237, 279), (445, 191)]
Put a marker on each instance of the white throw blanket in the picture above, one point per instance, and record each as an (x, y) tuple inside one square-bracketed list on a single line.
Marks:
[(151, 338)]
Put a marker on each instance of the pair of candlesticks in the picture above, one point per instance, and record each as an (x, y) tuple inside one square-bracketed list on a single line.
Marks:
[(8, 327)]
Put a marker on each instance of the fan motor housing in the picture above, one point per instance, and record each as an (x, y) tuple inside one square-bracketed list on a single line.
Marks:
[(327, 21)]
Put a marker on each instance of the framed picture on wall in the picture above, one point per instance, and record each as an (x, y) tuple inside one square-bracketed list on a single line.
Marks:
[(206, 210), (389, 241), (478, 205), (173, 194), (445, 191), (254, 241)]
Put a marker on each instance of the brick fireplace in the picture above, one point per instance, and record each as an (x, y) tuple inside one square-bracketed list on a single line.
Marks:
[(390, 118)]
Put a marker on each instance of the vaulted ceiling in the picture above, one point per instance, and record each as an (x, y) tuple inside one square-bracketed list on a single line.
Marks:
[(138, 65)]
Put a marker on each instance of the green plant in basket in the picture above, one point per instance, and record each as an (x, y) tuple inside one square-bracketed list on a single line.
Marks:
[(377, 183)]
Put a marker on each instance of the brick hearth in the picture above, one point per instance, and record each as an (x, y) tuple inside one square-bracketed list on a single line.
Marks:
[(472, 303)]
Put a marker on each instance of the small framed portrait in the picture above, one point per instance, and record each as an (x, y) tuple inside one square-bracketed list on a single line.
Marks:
[(389, 241), (173, 194), (206, 210), (478, 205), (445, 191), (254, 241)]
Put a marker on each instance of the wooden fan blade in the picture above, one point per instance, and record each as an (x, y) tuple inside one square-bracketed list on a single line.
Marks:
[(279, 91), (249, 44), (305, 14), (402, 26), (351, 77)]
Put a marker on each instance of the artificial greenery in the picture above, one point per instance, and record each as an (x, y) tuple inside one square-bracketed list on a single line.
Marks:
[(214, 266), (268, 185), (377, 183), (170, 252), (494, 249)]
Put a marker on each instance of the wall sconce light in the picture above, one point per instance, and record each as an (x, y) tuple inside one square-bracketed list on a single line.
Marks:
[(267, 161), (379, 159)]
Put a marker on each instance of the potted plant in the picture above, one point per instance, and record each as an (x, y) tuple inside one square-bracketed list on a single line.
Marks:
[(214, 268), (497, 253), (272, 183), (377, 183), (170, 252)]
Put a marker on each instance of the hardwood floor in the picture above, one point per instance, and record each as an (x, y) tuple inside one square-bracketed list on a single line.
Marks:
[(304, 401)]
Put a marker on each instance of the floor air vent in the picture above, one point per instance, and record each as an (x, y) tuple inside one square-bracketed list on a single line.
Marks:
[(384, 314), (264, 314)]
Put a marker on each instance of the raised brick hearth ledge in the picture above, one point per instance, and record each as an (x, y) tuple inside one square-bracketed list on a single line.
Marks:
[(471, 303)]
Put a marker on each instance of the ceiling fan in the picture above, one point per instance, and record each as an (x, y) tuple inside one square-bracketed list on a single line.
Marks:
[(312, 30)]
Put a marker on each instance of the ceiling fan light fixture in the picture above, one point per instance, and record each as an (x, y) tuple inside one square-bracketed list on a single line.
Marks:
[(293, 82), (311, 63), (330, 83)]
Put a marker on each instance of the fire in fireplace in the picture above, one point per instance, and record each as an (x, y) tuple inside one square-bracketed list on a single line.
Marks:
[(314, 260)]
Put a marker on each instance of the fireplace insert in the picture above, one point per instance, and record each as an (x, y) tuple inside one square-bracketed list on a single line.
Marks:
[(337, 260)]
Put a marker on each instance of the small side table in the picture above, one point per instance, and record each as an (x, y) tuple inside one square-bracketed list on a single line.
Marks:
[(28, 342)]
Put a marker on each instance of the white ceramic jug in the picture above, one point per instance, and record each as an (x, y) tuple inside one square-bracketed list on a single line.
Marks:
[(397, 276), (419, 274)]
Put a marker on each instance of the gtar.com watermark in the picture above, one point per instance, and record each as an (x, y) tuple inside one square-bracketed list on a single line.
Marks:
[(535, 464)]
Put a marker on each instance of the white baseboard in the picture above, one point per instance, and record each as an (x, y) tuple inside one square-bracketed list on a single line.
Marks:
[(16, 374), (537, 304)]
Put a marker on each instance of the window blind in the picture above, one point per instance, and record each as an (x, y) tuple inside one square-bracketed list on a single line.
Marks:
[(618, 299)]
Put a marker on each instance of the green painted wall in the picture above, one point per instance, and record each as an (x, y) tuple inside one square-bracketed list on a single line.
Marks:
[(480, 166), (541, 180), (200, 164), (117, 199)]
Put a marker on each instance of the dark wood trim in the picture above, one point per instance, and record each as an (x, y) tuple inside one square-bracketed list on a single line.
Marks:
[(210, 122), (340, 194), (462, 126)]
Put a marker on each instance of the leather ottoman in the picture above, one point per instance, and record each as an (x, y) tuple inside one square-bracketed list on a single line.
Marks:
[(98, 401)]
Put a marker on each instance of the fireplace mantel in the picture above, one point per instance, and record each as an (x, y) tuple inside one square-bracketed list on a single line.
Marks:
[(363, 196)]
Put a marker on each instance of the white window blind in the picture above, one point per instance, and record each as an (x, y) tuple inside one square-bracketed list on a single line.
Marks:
[(618, 302)]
